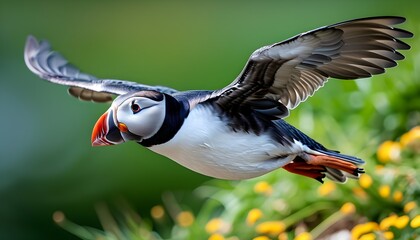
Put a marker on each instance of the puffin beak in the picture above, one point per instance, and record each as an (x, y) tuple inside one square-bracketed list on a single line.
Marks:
[(105, 132)]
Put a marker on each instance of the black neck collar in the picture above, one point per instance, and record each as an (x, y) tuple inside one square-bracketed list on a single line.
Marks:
[(176, 112)]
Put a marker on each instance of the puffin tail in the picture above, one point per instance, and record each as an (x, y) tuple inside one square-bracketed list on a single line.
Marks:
[(338, 166), (319, 164)]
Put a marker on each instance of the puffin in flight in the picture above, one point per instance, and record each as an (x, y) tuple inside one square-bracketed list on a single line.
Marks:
[(238, 132)]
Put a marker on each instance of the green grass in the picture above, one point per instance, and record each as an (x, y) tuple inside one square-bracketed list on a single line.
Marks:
[(382, 203)]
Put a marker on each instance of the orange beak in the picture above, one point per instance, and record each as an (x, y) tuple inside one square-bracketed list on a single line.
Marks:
[(105, 132)]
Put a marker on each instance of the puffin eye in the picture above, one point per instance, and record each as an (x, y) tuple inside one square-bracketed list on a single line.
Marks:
[(135, 107)]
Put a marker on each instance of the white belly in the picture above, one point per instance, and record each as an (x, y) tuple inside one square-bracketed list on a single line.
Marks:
[(206, 145)]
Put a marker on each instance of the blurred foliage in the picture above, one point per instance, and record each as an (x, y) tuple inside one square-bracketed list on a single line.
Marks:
[(47, 163), (383, 204)]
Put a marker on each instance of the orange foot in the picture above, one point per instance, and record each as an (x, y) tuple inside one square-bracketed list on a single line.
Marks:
[(307, 170)]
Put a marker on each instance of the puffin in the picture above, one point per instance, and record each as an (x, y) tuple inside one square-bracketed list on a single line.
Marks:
[(238, 132)]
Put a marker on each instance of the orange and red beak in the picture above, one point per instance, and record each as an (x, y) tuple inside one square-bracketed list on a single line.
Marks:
[(105, 132)]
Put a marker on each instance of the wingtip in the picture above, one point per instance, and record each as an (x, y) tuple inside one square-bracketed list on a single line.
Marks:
[(402, 19), (396, 19), (31, 38), (399, 19), (31, 47), (31, 43)]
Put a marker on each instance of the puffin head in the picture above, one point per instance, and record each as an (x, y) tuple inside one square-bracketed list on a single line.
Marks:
[(133, 116)]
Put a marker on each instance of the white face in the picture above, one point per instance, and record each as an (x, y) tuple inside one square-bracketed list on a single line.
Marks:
[(141, 116)]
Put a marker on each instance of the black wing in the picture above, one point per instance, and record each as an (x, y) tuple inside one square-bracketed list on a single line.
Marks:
[(277, 78), (54, 68)]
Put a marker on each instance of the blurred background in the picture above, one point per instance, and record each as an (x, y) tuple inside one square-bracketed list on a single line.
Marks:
[(46, 159)]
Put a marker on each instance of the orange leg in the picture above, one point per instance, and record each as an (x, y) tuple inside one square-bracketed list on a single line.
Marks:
[(307, 170)]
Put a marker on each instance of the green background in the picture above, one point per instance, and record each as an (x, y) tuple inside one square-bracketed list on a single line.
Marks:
[(46, 161)]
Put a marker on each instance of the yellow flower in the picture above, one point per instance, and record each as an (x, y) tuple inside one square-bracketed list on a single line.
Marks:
[(185, 218), (214, 225), (363, 228), (410, 137), (388, 222), (379, 169), (368, 236), (398, 196), (261, 238), (388, 235), (384, 191), (415, 223), (216, 236), (283, 236), (388, 151), (263, 187), (253, 216), (157, 212), (347, 208), (270, 227), (409, 206), (401, 222), (359, 192), (303, 236), (326, 188), (365, 181)]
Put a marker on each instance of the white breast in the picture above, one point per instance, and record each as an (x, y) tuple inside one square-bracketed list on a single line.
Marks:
[(206, 145)]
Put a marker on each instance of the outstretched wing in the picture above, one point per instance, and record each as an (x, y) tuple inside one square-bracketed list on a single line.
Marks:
[(53, 67), (277, 78)]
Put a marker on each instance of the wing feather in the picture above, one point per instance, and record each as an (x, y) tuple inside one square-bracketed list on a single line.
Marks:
[(53, 67), (291, 71)]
